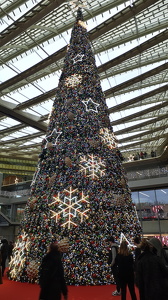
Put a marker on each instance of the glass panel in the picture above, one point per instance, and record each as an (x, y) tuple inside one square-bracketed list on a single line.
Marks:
[(19, 212), (6, 210), (162, 208)]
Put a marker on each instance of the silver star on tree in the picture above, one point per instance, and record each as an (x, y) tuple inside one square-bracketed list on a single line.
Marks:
[(78, 57), (53, 137), (91, 105)]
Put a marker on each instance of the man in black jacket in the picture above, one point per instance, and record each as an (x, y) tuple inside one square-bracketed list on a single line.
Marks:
[(152, 274), (4, 254), (51, 275), (114, 267)]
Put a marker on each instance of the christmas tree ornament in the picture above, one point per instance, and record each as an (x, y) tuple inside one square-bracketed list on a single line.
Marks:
[(32, 269), (49, 145), (79, 191), (63, 245), (91, 105), (71, 116), (32, 203), (68, 161), (53, 137), (74, 79)]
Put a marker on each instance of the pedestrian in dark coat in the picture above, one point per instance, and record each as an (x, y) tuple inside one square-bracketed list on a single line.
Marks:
[(152, 275), (112, 262), (158, 248), (0, 269), (125, 262), (51, 279), (4, 254)]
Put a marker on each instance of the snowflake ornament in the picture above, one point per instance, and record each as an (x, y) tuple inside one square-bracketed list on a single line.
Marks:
[(108, 138), (75, 4), (70, 205), (21, 248), (73, 80), (92, 166)]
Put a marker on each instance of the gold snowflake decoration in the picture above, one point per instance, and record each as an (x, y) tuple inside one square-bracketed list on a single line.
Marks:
[(69, 207), (75, 4), (21, 248), (108, 138), (92, 166), (73, 80)]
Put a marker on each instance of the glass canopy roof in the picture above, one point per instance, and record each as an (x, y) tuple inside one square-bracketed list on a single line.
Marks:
[(130, 43)]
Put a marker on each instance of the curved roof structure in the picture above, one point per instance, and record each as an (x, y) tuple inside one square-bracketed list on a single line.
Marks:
[(130, 43)]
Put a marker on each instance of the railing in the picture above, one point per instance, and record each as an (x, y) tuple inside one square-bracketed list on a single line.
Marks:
[(133, 175), (148, 173), (16, 194)]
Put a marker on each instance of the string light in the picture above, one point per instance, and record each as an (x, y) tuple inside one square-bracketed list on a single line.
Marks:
[(69, 205)]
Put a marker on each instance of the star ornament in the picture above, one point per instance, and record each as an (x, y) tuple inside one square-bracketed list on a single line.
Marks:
[(123, 238), (91, 105), (78, 57), (53, 137), (71, 206)]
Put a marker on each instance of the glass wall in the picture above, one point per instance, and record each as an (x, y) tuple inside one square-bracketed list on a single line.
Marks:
[(18, 212), (152, 209), (6, 210)]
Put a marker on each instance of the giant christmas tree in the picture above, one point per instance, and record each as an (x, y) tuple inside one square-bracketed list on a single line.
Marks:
[(79, 189)]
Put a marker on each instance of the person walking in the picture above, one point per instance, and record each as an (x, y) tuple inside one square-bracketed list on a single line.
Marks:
[(4, 254), (137, 252), (51, 274), (1, 281), (125, 262), (158, 249), (152, 274), (10, 248), (112, 261)]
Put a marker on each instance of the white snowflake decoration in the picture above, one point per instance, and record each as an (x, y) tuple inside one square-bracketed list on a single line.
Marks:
[(73, 80), (21, 248), (91, 105), (73, 204), (92, 166), (108, 138)]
